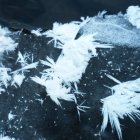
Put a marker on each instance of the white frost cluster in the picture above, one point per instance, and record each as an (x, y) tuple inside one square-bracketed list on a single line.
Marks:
[(5, 138), (133, 14), (62, 32), (15, 78), (19, 75), (124, 102), (6, 42), (5, 78), (71, 63), (60, 78)]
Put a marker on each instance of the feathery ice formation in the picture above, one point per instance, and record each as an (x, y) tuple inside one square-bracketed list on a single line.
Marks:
[(124, 102), (60, 77), (71, 63)]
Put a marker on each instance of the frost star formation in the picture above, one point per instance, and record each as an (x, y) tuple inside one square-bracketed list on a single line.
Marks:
[(92, 43)]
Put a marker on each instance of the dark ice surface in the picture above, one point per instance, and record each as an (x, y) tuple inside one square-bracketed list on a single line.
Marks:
[(37, 116), (42, 13)]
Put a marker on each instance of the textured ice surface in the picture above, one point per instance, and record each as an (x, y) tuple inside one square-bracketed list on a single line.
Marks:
[(113, 29), (28, 111)]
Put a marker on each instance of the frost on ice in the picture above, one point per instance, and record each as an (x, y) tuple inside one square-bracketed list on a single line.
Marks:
[(11, 116), (18, 79), (62, 32), (55, 89), (124, 102), (71, 63), (78, 42), (5, 137), (5, 78), (19, 74), (6, 42), (133, 14), (117, 30)]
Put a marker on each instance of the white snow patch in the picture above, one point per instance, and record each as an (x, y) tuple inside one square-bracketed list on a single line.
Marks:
[(133, 15), (6, 42)]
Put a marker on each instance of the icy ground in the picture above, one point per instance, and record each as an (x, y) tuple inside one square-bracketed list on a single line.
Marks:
[(37, 116), (32, 109)]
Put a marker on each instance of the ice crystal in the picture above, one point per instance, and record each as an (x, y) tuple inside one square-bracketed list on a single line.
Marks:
[(82, 108), (27, 67), (6, 42), (2, 137), (62, 32), (71, 63), (19, 74), (18, 79), (37, 32), (4, 76), (133, 14), (79, 41), (55, 89), (23, 59), (11, 116), (124, 101), (76, 91)]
